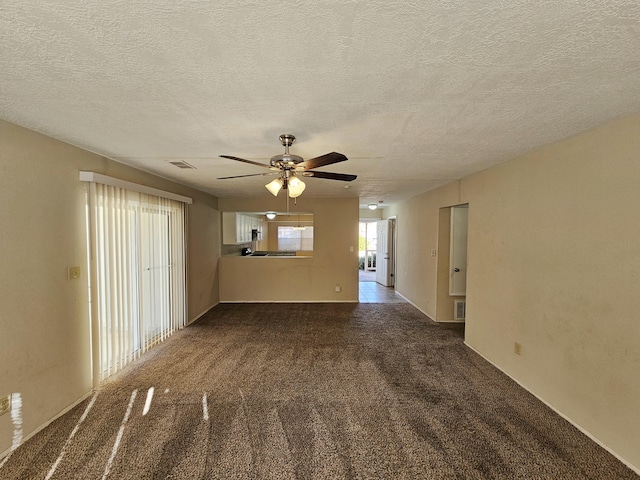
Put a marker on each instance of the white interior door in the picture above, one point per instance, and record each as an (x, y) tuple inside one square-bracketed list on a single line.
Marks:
[(458, 253), (391, 264), (383, 254)]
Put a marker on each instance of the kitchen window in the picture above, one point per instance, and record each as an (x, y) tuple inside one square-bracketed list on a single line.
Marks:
[(295, 238)]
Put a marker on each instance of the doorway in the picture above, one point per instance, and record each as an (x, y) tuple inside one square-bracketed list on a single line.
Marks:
[(377, 262), (458, 251), (367, 250), (452, 264), (385, 252)]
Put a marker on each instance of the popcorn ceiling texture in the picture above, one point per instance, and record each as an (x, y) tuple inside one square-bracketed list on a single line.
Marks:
[(415, 93)]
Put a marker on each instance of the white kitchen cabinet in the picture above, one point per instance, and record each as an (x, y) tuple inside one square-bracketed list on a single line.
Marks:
[(236, 228), (241, 229)]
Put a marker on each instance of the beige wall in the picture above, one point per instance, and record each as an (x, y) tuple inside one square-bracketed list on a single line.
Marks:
[(417, 223), (313, 279), (553, 262), (368, 215), (44, 328), (204, 251)]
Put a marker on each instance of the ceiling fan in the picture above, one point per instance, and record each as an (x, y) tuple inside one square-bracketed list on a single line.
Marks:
[(289, 168)]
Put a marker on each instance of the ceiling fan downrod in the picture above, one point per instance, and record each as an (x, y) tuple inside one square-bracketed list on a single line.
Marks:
[(286, 160), (286, 139)]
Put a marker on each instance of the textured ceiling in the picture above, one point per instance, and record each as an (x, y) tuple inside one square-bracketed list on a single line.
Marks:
[(415, 93)]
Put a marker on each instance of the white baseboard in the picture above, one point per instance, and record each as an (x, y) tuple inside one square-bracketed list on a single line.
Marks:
[(635, 468), (416, 306), (437, 321), (48, 422), (288, 301), (201, 314)]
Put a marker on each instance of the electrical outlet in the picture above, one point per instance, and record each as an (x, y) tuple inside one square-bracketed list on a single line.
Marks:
[(338, 288), (5, 404), (434, 253), (74, 273), (517, 348)]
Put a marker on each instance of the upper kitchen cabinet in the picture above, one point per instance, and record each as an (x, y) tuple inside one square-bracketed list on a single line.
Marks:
[(237, 227)]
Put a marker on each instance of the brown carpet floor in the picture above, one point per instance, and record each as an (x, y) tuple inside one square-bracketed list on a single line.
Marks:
[(312, 391)]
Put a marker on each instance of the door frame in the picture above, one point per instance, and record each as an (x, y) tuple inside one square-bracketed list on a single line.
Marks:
[(394, 247), (458, 230), (444, 302)]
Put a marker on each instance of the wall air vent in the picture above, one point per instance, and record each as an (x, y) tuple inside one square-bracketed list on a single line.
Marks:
[(181, 164), (460, 310)]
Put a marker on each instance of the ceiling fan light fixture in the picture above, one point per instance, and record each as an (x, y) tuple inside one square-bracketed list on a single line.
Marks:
[(274, 186), (271, 215), (372, 206), (296, 187), (288, 167)]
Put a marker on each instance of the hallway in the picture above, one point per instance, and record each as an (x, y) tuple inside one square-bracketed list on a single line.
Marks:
[(372, 292)]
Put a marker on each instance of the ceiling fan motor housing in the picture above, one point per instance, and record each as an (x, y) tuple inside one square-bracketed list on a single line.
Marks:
[(285, 160)]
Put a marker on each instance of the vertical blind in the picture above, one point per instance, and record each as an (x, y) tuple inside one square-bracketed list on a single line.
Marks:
[(138, 266), (295, 238)]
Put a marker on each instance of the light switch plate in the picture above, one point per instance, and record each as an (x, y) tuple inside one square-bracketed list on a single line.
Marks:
[(517, 348), (74, 273), (5, 404)]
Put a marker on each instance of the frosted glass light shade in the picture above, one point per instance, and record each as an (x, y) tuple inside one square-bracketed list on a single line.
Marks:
[(271, 215), (296, 187), (274, 186)]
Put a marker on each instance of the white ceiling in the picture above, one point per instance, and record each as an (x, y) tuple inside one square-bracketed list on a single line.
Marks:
[(416, 93)]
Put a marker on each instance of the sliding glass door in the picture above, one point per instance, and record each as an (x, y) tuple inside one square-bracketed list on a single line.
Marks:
[(138, 273), (155, 287)]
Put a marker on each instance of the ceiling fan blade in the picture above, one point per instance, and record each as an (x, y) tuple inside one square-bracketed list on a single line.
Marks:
[(246, 161), (250, 175), (321, 161), (331, 176)]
